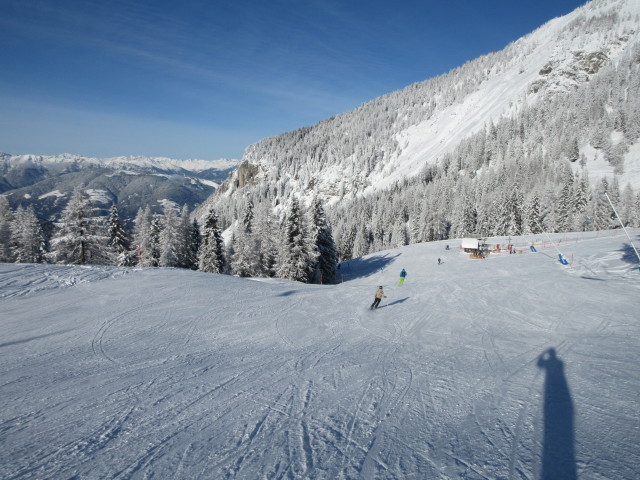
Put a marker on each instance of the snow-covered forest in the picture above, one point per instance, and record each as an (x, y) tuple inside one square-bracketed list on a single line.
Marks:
[(533, 135), (301, 247)]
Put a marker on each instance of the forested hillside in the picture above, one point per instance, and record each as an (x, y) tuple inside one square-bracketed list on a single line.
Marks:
[(516, 141)]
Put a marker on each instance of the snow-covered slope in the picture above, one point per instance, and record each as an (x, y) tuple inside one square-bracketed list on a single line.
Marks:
[(394, 137), (555, 58), (158, 373)]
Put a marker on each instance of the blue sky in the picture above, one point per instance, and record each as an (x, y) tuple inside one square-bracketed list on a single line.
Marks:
[(206, 78)]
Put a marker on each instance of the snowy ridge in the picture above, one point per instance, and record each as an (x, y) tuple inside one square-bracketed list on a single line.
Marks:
[(158, 163), (510, 367), (130, 183)]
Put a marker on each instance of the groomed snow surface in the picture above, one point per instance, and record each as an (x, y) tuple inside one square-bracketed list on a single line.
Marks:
[(511, 367)]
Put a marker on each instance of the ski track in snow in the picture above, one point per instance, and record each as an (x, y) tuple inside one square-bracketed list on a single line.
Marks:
[(151, 373)]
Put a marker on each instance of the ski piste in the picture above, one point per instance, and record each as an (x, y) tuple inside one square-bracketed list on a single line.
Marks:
[(117, 373)]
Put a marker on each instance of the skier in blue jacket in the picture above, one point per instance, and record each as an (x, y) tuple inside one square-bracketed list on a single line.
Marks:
[(403, 275)]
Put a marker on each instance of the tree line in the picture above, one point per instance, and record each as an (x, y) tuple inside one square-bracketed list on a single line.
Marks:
[(299, 247)]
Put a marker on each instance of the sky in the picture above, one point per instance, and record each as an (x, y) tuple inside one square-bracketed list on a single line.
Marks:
[(205, 79)]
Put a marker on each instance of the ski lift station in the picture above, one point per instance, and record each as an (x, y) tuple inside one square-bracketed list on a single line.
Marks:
[(476, 246)]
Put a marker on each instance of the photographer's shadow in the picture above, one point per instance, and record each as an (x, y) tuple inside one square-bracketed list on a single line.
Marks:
[(558, 455)]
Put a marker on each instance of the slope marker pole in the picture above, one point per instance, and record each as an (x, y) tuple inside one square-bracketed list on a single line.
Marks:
[(560, 255), (623, 227)]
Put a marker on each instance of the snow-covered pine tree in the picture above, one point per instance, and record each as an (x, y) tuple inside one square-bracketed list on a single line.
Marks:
[(141, 245), (80, 237), (533, 216), (565, 205), (118, 238), (398, 234), (636, 215), (360, 242), (6, 226), (581, 199), (502, 217), (249, 217), (601, 212), (245, 260), (194, 241), (171, 238), (463, 217), (154, 240), (516, 206), (190, 242), (297, 255), (345, 240), (327, 260), (211, 256), (264, 227), (627, 209), (28, 236)]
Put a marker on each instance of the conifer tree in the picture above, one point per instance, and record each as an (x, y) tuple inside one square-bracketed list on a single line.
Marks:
[(80, 238), (627, 210), (327, 260), (565, 207), (154, 241), (600, 208), (142, 240), (264, 227), (194, 241), (398, 234), (6, 226), (28, 237), (118, 238), (245, 260), (533, 222), (581, 202), (360, 242), (171, 238), (297, 256), (211, 257)]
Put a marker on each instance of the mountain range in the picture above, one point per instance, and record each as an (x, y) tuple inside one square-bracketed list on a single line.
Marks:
[(127, 182)]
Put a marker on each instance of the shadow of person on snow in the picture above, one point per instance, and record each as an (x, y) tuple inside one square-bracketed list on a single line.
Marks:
[(558, 456), (629, 254), (287, 293), (395, 302), (364, 267)]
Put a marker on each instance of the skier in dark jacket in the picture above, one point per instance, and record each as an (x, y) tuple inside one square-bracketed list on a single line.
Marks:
[(379, 295)]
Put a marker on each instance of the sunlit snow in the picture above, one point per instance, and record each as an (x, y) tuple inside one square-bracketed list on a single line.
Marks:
[(112, 373)]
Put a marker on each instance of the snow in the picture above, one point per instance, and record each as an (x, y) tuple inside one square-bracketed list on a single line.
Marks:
[(114, 373), (208, 183), (98, 195), (631, 167), (162, 163), (505, 92), (54, 193), (598, 167)]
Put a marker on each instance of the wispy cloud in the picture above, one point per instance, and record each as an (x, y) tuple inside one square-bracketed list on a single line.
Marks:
[(275, 51)]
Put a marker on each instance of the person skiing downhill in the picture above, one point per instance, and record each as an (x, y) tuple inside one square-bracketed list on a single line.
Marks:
[(403, 275), (379, 295)]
